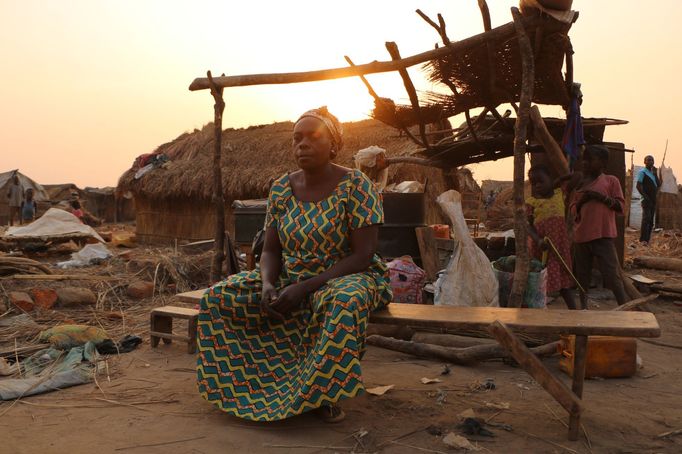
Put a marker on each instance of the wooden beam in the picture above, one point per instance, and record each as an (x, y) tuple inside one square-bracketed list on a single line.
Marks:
[(393, 51), (520, 135), (554, 152), (375, 67), (531, 364)]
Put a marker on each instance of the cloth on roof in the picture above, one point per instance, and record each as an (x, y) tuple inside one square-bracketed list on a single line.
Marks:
[(574, 136), (54, 223)]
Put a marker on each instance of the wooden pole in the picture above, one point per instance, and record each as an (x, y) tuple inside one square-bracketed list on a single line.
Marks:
[(496, 34), (554, 153), (392, 49), (218, 198), (520, 134)]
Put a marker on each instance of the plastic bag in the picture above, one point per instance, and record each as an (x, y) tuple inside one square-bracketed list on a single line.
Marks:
[(469, 279), (370, 160), (535, 296), (90, 254), (407, 280)]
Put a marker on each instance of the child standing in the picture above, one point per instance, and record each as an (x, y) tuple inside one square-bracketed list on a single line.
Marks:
[(594, 204), (28, 207), (546, 220)]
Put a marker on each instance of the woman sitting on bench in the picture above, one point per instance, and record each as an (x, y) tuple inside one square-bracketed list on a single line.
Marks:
[(287, 338)]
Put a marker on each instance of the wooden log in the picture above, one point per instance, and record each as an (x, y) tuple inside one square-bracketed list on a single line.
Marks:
[(396, 331), (450, 340), (630, 305), (554, 152), (218, 197), (531, 364), (659, 263), (494, 35), (459, 356), (670, 288), (520, 135)]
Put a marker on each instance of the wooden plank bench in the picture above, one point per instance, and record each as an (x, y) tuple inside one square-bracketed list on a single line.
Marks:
[(501, 322)]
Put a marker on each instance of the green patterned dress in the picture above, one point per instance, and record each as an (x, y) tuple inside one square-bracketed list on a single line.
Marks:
[(262, 369)]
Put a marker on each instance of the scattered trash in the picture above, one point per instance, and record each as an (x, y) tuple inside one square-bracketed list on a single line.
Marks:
[(498, 405), (488, 384), (125, 345), (379, 390), (457, 441), (446, 370), (434, 430), (65, 337), (428, 381), (472, 426), (522, 386), (441, 396), (91, 254), (468, 413)]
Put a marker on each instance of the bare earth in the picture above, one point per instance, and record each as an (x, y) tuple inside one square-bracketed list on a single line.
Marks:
[(146, 402), (150, 398)]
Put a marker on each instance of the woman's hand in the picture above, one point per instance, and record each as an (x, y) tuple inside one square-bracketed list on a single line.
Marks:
[(290, 298), (268, 297)]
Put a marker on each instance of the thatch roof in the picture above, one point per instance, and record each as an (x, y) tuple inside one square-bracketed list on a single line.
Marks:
[(252, 158), (39, 194)]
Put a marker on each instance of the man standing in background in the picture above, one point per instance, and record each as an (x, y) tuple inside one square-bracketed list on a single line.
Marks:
[(15, 194), (647, 185)]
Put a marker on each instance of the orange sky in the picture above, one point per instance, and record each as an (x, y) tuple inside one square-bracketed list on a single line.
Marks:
[(89, 85)]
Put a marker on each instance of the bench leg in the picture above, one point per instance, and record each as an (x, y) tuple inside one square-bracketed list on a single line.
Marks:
[(579, 364), (161, 324), (154, 341), (192, 334)]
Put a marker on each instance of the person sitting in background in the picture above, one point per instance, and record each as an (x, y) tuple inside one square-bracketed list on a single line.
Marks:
[(15, 194), (647, 186), (28, 208), (76, 210), (287, 337), (594, 204), (546, 222)]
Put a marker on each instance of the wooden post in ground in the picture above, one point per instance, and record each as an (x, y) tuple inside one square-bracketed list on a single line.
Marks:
[(520, 136), (218, 198)]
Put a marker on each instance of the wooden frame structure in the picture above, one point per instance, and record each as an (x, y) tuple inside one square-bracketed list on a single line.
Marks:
[(492, 91)]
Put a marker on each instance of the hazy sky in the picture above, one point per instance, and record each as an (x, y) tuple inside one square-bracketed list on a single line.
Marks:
[(86, 86)]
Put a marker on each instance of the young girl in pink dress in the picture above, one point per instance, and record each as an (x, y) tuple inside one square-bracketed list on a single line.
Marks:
[(546, 219)]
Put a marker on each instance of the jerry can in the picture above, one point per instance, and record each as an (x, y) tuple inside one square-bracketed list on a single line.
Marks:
[(607, 356)]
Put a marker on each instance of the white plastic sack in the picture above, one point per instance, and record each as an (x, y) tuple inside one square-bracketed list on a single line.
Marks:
[(669, 183), (54, 223), (86, 256), (366, 160), (469, 279), (406, 187)]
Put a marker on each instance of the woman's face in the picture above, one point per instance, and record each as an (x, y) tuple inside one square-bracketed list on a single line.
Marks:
[(312, 143), (541, 183)]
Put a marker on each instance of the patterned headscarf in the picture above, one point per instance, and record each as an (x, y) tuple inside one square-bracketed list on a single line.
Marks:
[(332, 124)]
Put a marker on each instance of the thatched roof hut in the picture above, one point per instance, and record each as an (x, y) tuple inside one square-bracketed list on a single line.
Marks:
[(173, 201)]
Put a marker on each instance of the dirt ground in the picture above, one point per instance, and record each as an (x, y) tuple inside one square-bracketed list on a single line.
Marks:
[(146, 402)]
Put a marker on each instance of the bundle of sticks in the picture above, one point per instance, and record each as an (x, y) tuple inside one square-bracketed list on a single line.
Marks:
[(21, 265)]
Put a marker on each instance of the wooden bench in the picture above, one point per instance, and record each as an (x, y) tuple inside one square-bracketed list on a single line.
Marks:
[(161, 326), (501, 322)]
